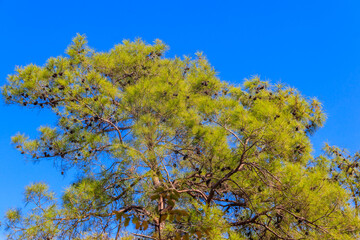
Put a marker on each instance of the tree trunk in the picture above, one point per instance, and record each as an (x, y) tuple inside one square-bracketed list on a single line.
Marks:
[(161, 205)]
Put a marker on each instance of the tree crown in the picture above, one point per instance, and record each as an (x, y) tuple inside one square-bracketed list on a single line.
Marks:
[(164, 146)]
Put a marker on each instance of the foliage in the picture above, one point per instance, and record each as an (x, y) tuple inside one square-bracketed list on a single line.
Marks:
[(168, 151)]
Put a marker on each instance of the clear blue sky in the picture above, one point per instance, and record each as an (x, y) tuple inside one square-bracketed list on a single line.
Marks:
[(311, 45)]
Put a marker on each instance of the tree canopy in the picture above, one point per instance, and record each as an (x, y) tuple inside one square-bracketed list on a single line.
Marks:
[(166, 150)]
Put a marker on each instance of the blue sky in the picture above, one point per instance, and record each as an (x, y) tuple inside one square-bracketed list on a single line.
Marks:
[(313, 46)]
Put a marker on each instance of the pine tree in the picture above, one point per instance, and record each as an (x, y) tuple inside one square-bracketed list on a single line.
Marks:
[(168, 151)]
